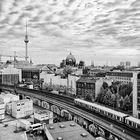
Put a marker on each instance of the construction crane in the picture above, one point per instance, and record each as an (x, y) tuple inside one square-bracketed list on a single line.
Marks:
[(11, 56)]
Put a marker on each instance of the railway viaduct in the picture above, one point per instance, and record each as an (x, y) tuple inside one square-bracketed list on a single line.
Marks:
[(93, 125)]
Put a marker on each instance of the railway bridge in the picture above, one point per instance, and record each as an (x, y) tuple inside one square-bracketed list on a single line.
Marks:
[(60, 107)]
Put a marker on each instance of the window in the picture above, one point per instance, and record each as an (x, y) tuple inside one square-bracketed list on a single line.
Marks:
[(138, 82), (138, 93), (138, 107), (118, 118), (138, 100), (130, 123), (138, 88)]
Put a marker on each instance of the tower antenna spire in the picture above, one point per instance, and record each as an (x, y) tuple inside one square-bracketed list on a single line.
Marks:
[(26, 26), (26, 40)]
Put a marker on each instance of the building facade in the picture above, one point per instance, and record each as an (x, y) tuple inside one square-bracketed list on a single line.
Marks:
[(10, 75), (136, 94), (121, 76), (22, 108), (87, 86), (2, 111)]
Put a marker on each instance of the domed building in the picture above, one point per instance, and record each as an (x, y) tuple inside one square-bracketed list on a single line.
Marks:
[(70, 60)]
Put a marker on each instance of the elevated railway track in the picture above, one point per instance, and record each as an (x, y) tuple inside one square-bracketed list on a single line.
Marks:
[(68, 102)]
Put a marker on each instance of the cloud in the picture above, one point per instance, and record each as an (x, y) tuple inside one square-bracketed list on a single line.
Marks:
[(66, 25)]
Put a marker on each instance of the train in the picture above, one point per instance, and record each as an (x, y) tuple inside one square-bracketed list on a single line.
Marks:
[(120, 117)]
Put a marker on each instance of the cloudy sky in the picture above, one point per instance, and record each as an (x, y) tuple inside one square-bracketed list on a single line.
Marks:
[(103, 31)]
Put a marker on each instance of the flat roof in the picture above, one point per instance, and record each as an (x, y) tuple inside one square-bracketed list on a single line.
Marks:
[(86, 80), (117, 113), (135, 120), (7, 133), (69, 131)]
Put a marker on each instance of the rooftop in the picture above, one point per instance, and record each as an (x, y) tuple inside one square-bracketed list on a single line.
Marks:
[(10, 131), (68, 131), (86, 80)]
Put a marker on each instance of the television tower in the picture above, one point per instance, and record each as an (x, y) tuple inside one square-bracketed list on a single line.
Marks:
[(26, 40)]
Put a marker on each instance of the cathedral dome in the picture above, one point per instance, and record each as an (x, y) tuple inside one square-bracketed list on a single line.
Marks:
[(70, 57), (70, 60)]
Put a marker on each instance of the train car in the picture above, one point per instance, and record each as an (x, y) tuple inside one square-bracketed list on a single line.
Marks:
[(133, 122), (105, 111), (110, 113)]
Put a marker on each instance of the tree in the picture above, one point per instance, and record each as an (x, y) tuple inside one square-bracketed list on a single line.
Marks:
[(107, 97), (126, 103), (118, 97), (88, 97), (105, 85), (121, 101), (112, 101), (67, 70), (101, 95)]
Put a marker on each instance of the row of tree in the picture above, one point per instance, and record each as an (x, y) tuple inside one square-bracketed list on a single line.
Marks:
[(117, 95)]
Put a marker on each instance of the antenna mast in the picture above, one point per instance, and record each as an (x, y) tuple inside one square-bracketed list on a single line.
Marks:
[(26, 40)]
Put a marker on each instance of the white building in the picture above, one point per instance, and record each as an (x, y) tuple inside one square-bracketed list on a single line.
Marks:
[(11, 75), (25, 124), (121, 76), (7, 98), (2, 111), (51, 79), (43, 115), (136, 94), (22, 108)]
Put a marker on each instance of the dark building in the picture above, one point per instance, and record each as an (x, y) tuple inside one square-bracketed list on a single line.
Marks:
[(138, 94), (81, 64), (63, 64), (85, 88), (69, 61), (30, 74)]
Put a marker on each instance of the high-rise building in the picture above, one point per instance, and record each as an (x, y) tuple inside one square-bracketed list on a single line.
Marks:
[(127, 63), (138, 64), (121, 63), (136, 94)]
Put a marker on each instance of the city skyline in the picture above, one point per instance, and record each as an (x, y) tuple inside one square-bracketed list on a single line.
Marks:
[(103, 31)]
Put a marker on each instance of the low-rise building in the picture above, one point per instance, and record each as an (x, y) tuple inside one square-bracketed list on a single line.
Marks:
[(2, 111), (10, 75), (67, 131), (43, 116), (7, 98), (22, 108), (89, 86), (121, 76)]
